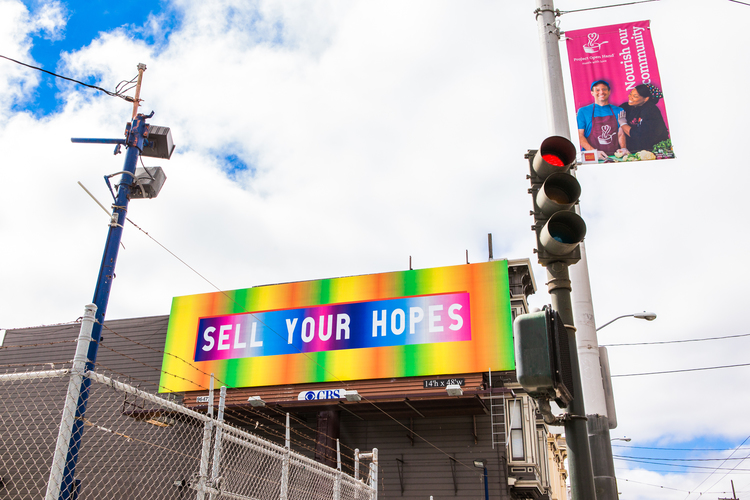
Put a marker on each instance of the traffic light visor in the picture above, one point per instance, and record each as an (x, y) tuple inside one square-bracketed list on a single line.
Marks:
[(556, 154), (562, 232), (559, 192)]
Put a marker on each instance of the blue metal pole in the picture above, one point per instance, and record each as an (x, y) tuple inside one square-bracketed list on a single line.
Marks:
[(136, 136), (486, 487)]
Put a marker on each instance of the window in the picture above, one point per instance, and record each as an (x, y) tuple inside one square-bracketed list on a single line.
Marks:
[(543, 456), (515, 413)]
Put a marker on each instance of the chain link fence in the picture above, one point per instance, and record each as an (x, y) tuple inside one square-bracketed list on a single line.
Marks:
[(141, 445)]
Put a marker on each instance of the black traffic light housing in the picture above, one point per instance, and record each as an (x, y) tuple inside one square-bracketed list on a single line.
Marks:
[(543, 363), (555, 191)]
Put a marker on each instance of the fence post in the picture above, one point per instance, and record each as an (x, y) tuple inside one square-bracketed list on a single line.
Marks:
[(285, 462), (374, 472), (71, 400), (356, 463), (206, 451), (217, 442), (337, 484)]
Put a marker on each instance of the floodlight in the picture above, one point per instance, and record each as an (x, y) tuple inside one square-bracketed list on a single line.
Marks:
[(148, 182), (454, 390), (256, 401), (159, 143), (352, 396)]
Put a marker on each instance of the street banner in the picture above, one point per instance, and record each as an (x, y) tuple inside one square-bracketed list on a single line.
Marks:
[(620, 111), (422, 322)]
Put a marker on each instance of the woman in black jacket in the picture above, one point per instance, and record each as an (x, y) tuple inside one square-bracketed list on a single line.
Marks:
[(641, 120)]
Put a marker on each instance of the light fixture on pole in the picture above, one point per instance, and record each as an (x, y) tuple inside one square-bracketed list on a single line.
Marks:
[(648, 316), (604, 363), (626, 439), (481, 464)]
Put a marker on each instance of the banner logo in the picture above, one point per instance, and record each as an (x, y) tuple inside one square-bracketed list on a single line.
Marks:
[(592, 46)]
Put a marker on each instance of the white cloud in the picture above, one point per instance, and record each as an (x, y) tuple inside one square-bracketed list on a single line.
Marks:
[(15, 81), (380, 131), (49, 19)]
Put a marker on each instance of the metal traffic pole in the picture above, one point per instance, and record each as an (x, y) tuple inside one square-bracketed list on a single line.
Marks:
[(583, 309)]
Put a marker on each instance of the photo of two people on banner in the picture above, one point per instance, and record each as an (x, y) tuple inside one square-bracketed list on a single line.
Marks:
[(635, 125)]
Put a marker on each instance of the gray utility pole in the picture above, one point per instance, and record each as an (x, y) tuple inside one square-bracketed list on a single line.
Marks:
[(583, 309)]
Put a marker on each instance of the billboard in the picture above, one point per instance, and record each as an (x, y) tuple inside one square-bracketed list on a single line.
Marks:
[(445, 320), (620, 110)]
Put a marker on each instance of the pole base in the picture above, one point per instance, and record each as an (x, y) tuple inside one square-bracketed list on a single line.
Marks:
[(601, 457)]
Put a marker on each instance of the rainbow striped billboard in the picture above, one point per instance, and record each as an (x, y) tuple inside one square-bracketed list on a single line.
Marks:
[(439, 321)]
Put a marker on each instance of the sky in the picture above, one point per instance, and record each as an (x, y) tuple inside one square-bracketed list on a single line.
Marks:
[(317, 139)]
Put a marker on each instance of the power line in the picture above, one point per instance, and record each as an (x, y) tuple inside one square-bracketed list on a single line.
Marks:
[(725, 475), (669, 449), (608, 6), (678, 341), (680, 371), (109, 93), (649, 462), (667, 487), (683, 459), (647, 484)]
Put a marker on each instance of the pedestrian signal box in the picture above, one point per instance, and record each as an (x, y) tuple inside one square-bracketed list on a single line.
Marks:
[(543, 365)]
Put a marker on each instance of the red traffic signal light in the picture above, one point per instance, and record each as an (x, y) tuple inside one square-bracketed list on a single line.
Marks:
[(559, 230)]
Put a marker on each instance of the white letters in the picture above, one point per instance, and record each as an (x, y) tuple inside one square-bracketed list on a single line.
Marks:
[(324, 330), (398, 313), (459, 321), (427, 320), (378, 323), (208, 338), (308, 329), (342, 325), (237, 343), (253, 341), (416, 314), (435, 318), (327, 335), (222, 337), (290, 326), (223, 342)]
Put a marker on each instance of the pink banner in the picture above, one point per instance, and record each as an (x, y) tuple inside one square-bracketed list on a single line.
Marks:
[(619, 102)]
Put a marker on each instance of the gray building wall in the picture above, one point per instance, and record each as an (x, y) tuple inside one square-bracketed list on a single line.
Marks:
[(130, 347), (424, 469)]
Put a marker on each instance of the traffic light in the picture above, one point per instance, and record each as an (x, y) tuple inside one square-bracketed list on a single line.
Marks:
[(555, 191), (543, 365)]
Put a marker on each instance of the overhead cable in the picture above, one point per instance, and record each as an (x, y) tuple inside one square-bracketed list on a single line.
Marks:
[(109, 93), (678, 341), (561, 12), (680, 371)]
